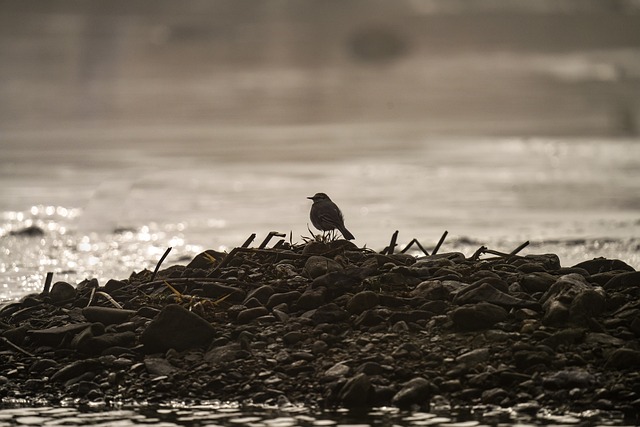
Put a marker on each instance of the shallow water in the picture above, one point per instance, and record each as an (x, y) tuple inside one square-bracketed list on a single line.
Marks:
[(217, 414)]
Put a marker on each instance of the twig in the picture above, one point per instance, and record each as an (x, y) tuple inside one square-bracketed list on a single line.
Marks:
[(93, 292), (519, 248), (110, 299), (392, 244), (47, 283), (440, 242), (417, 243), (268, 238), (248, 241), (15, 347), (153, 276)]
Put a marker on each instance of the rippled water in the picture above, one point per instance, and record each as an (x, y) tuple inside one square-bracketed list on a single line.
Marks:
[(216, 414)]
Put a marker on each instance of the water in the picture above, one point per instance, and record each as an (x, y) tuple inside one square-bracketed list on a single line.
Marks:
[(129, 128)]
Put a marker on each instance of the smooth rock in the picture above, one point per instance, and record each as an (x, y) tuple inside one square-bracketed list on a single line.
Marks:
[(338, 370), (362, 301), (62, 292), (602, 265), (311, 298), (417, 391), (178, 328), (623, 358), (283, 298), (355, 392), (484, 292), (75, 369), (96, 345), (247, 315), (54, 336), (479, 316), (317, 266), (159, 366), (107, 315)]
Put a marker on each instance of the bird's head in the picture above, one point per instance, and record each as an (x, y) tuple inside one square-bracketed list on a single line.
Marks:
[(319, 197)]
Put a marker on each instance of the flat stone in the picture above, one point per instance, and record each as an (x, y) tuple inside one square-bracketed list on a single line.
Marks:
[(178, 328), (479, 316), (107, 315)]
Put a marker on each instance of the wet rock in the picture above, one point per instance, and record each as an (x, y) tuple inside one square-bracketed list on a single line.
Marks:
[(417, 391), (356, 391), (113, 285), (317, 266), (30, 231), (61, 292), (75, 369), (176, 327), (624, 281), (107, 315), (568, 378), (472, 317)]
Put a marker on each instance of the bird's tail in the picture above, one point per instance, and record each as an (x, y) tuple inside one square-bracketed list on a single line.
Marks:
[(346, 233)]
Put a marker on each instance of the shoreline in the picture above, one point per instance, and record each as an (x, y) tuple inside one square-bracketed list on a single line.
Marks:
[(333, 325)]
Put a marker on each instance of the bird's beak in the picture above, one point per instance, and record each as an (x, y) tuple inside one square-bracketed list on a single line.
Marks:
[(310, 198)]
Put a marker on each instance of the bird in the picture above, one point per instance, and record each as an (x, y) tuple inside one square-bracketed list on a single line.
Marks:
[(326, 216)]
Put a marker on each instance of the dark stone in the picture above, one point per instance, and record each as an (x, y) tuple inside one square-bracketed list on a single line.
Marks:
[(624, 281), (30, 231), (623, 358), (311, 298), (537, 282), (293, 337), (362, 301), (567, 379), (487, 293), (369, 318), (417, 391), (75, 369), (54, 336), (216, 290), (249, 314), (356, 391), (206, 260), (62, 292), (572, 299), (107, 315), (262, 293), (329, 313), (283, 298), (96, 345), (178, 328), (601, 265), (317, 266), (479, 316), (411, 316), (113, 285), (159, 366)]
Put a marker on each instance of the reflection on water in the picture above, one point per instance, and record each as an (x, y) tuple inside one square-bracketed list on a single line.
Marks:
[(217, 414)]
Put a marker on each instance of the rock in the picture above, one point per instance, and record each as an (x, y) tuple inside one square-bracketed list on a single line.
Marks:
[(487, 293), (54, 336), (107, 315), (317, 266), (417, 391), (339, 370), (329, 313), (362, 301), (262, 294), (572, 299), (96, 345), (283, 298), (176, 327), (472, 317), (224, 354), (623, 358), (311, 298), (62, 292), (30, 231), (474, 357), (624, 281), (293, 337), (76, 369), (567, 379), (206, 260), (216, 290), (537, 282), (550, 262), (431, 290), (602, 265), (355, 391), (249, 314), (159, 366)]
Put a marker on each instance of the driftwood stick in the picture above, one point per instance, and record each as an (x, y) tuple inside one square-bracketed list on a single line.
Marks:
[(392, 244), (47, 283), (15, 347), (248, 241), (153, 276), (440, 242), (268, 238), (519, 248), (417, 243)]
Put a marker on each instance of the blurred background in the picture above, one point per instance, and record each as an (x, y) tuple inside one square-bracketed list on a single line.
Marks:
[(129, 126)]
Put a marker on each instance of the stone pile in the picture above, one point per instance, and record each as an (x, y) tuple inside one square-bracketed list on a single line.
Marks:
[(330, 324)]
